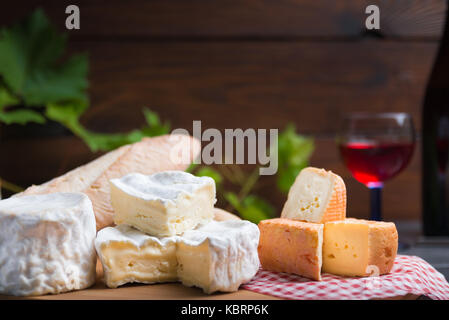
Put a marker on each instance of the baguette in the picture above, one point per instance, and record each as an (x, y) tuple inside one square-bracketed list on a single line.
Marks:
[(148, 156)]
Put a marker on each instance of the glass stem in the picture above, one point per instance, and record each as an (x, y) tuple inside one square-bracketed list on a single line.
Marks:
[(376, 203)]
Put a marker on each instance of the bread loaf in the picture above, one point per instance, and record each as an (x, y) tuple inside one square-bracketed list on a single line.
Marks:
[(148, 156)]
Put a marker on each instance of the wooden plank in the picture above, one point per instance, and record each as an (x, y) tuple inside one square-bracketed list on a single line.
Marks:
[(252, 84), (36, 160), (282, 19)]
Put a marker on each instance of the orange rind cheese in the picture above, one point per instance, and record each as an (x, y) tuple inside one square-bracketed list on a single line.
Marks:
[(355, 247), (316, 196), (291, 246)]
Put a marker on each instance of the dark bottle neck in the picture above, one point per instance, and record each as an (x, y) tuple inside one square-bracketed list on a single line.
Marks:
[(439, 77), (444, 42)]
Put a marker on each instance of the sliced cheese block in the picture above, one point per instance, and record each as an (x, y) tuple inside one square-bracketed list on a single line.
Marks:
[(163, 204), (147, 156), (219, 256), (291, 246), (128, 255), (46, 244), (316, 196), (356, 247)]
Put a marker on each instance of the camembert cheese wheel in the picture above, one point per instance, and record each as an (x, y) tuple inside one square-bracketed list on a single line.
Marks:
[(316, 196), (46, 244)]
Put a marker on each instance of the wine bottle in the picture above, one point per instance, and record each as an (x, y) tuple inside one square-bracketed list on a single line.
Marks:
[(435, 152)]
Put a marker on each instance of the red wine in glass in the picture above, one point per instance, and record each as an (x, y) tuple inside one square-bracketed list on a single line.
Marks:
[(373, 163), (375, 148)]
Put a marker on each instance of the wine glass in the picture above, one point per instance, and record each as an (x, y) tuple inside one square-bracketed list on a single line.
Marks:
[(375, 147)]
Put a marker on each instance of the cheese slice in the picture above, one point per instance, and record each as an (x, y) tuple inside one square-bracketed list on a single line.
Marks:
[(354, 247), (219, 256), (316, 196), (147, 156), (163, 204), (291, 246), (46, 244), (128, 255)]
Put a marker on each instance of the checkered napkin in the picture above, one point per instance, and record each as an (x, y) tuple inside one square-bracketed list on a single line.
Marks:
[(410, 275)]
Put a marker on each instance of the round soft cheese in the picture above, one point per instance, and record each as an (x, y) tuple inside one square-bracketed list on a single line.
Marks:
[(47, 244)]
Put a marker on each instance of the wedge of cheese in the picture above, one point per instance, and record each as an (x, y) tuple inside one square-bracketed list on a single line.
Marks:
[(219, 256), (147, 156), (163, 204), (316, 196), (128, 255), (291, 246), (354, 247)]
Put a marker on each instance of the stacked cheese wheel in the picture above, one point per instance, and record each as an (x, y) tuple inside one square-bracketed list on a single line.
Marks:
[(166, 232), (314, 235)]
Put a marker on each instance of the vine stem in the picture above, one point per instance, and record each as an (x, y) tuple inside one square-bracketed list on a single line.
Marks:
[(10, 186), (249, 184)]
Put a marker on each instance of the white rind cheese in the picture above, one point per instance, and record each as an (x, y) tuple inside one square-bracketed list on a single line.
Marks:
[(128, 255), (46, 244), (219, 256), (163, 204)]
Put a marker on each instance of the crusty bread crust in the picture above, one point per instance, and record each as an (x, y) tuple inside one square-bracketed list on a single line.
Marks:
[(222, 215)]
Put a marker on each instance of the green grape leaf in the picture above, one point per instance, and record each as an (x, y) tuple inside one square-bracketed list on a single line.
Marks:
[(6, 98), (154, 125), (294, 152), (210, 172), (30, 63), (22, 116), (252, 208)]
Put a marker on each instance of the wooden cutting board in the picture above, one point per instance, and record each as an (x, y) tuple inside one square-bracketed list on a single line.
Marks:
[(163, 291)]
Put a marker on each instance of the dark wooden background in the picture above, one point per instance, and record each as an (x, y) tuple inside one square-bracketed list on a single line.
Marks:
[(247, 64)]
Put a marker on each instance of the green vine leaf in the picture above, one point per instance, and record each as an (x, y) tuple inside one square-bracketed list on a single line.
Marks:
[(252, 207), (22, 116)]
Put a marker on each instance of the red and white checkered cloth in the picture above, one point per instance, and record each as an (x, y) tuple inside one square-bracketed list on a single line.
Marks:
[(410, 275)]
